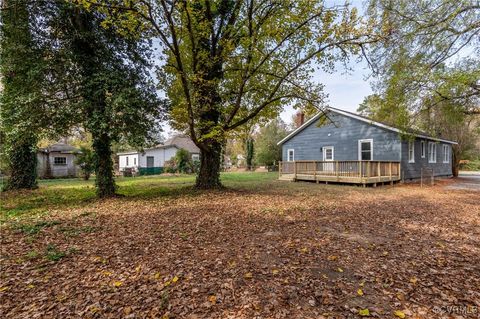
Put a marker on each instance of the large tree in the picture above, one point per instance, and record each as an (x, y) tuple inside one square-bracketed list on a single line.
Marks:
[(232, 61), (21, 71), (428, 45), (107, 75)]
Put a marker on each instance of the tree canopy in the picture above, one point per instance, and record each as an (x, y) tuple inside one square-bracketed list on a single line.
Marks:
[(228, 62)]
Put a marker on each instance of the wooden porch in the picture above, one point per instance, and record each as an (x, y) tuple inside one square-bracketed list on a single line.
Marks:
[(356, 172)]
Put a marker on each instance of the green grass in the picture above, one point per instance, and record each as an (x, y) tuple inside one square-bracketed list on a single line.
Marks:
[(74, 193)]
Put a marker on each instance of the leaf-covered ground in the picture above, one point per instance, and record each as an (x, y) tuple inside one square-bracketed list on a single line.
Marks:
[(260, 249)]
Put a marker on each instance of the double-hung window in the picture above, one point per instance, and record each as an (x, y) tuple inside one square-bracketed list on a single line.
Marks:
[(290, 155), (365, 150), (411, 151), (446, 153), (422, 144), (432, 152)]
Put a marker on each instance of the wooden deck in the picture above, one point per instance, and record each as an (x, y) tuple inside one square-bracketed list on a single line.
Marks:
[(356, 172)]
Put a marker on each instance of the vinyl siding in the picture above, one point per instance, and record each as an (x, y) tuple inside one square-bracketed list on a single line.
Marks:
[(345, 132), (413, 170)]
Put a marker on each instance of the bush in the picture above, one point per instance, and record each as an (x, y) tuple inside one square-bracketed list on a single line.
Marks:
[(85, 160), (471, 165), (183, 161)]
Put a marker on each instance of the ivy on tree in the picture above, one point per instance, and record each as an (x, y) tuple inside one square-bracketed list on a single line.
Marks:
[(21, 74), (116, 96)]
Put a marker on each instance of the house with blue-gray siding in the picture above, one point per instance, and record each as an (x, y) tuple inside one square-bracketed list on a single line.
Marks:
[(337, 135)]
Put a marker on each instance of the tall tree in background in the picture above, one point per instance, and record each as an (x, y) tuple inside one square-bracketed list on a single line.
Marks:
[(429, 45), (233, 61), (268, 152), (249, 153), (21, 77)]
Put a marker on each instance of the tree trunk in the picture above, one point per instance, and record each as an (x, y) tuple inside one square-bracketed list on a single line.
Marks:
[(103, 166), (23, 164), (455, 163), (209, 174)]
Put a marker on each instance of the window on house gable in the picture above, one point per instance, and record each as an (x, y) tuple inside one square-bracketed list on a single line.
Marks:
[(60, 161), (432, 152), (422, 143), (126, 161), (411, 151), (290, 155), (134, 161)]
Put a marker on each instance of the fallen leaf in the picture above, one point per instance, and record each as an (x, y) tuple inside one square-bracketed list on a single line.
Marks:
[(364, 312), (248, 275), (117, 283), (175, 279), (157, 275), (275, 271), (399, 314), (360, 292), (413, 280), (332, 258), (4, 288), (339, 269), (212, 299)]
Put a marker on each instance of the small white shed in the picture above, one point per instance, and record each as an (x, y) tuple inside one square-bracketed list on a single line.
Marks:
[(152, 160)]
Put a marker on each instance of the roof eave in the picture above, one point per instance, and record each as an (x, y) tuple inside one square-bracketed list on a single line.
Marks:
[(390, 128)]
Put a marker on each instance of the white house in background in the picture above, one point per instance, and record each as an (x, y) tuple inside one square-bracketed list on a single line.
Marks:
[(57, 160), (152, 160)]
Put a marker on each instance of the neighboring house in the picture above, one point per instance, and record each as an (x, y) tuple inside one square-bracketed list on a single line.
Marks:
[(152, 160), (57, 160), (350, 141)]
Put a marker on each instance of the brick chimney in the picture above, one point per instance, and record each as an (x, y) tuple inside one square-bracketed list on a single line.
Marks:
[(299, 119)]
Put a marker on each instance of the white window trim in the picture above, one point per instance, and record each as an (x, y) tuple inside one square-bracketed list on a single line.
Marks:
[(360, 148), (446, 154), (288, 155), (324, 153), (411, 146), (434, 152), (422, 149)]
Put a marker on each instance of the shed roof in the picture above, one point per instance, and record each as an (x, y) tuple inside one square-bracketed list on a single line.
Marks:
[(60, 148), (177, 141), (365, 119)]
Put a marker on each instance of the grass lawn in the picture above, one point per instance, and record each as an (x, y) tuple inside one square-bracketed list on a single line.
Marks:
[(260, 248)]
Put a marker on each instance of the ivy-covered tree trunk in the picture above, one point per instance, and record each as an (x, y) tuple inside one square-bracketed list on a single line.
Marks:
[(103, 166), (22, 157), (21, 74), (249, 149)]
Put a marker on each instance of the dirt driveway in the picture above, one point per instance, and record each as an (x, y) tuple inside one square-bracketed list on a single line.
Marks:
[(467, 181)]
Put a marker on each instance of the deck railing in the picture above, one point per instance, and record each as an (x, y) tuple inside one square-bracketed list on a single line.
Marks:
[(342, 169)]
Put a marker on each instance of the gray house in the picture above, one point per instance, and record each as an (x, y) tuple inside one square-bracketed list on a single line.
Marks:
[(57, 160), (342, 146)]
